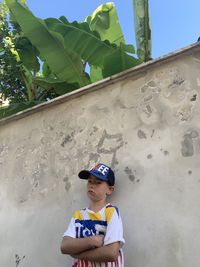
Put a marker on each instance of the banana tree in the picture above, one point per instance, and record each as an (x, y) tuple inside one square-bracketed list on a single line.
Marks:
[(65, 49), (20, 68)]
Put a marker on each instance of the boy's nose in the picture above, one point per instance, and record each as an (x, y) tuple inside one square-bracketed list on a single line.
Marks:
[(91, 186)]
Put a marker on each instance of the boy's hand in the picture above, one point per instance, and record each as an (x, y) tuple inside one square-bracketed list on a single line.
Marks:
[(97, 240)]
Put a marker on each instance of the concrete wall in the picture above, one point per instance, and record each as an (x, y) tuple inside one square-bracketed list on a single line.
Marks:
[(145, 123)]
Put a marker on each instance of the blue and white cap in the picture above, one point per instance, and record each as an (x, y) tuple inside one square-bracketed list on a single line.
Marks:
[(101, 172)]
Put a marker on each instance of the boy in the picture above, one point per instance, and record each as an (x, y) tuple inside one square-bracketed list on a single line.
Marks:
[(95, 234)]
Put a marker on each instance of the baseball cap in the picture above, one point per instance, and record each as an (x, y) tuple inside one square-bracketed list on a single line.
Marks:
[(100, 171)]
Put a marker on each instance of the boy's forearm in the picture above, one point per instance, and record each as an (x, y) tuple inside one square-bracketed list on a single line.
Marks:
[(104, 253), (71, 245)]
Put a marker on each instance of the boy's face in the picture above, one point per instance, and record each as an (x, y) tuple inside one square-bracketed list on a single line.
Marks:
[(98, 190)]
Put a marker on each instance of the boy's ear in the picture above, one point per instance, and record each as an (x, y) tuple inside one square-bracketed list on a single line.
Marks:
[(111, 190)]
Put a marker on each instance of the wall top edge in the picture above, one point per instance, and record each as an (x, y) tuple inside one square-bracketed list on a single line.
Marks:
[(107, 81)]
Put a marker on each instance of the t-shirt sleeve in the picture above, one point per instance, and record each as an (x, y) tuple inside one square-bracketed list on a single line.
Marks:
[(114, 232), (71, 231)]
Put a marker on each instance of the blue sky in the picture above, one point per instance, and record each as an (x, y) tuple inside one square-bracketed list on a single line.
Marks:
[(174, 23)]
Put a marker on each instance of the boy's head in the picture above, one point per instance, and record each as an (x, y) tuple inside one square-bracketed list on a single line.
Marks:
[(101, 172)]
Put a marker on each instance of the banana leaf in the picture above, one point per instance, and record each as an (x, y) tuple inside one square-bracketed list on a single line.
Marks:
[(95, 73), (118, 61), (16, 107), (119, 56), (57, 86), (28, 54), (79, 38), (46, 71), (142, 29), (105, 21), (64, 63)]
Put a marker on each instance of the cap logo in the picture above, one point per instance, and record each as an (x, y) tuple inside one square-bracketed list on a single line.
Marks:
[(101, 168)]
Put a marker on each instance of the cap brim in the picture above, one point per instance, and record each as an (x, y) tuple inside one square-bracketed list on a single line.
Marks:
[(84, 174)]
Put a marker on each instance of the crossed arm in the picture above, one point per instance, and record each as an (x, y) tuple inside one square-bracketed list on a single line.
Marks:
[(90, 248)]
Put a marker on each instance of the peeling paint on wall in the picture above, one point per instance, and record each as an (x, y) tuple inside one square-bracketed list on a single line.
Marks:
[(189, 139), (130, 173), (110, 144)]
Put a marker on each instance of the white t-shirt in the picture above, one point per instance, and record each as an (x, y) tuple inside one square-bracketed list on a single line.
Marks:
[(107, 222)]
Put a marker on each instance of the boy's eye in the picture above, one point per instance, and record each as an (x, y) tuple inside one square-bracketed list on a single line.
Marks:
[(94, 182)]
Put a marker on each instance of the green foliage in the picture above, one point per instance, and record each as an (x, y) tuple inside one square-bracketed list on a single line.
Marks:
[(16, 107), (66, 64), (142, 29), (11, 84), (119, 61), (105, 21), (28, 54), (54, 85), (49, 56), (91, 48), (95, 73), (19, 70)]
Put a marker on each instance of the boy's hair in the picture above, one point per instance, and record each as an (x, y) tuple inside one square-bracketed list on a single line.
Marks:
[(100, 171)]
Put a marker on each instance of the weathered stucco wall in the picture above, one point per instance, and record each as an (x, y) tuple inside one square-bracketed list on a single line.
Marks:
[(145, 123)]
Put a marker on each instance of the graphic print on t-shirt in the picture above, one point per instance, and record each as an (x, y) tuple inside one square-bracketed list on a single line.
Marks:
[(106, 222), (89, 227)]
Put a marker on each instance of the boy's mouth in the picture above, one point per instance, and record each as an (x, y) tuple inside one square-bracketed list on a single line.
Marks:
[(90, 191)]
